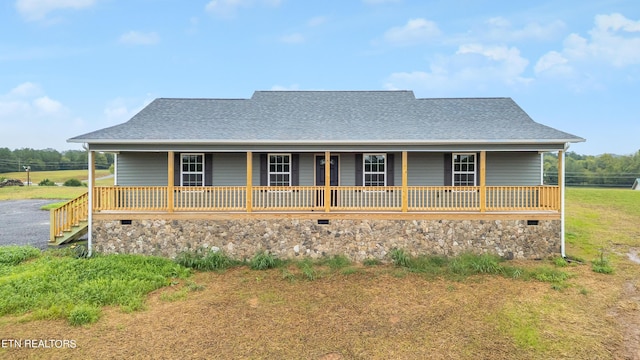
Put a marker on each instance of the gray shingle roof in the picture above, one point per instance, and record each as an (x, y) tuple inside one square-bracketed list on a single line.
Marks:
[(329, 116)]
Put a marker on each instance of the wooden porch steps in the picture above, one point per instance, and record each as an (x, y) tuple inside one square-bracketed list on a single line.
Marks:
[(74, 234)]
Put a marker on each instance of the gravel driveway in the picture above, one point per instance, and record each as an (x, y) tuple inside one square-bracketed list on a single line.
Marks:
[(23, 223)]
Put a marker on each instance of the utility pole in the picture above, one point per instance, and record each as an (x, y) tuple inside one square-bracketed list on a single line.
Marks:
[(28, 169)]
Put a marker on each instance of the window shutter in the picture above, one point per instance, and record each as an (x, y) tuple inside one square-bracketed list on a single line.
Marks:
[(295, 169), (390, 170), (208, 169), (263, 170), (359, 170), (448, 158), (177, 169)]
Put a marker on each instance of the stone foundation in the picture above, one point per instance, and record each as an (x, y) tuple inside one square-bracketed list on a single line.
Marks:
[(357, 239)]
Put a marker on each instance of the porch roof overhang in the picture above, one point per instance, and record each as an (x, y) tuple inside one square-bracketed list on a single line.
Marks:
[(146, 145)]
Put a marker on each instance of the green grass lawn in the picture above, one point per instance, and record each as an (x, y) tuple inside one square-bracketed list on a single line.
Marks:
[(599, 219), (50, 192), (41, 192), (59, 176), (56, 285)]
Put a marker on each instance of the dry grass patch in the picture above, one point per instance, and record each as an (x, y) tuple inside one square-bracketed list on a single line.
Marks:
[(244, 313)]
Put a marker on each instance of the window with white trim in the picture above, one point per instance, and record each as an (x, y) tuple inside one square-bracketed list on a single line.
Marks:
[(192, 170), (374, 170), (279, 169), (464, 169)]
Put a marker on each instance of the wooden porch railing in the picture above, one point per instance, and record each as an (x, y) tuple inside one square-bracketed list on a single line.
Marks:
[(513, 198), (444, 198), (343, 198), (295, 198), (221, 198), (71, 214)]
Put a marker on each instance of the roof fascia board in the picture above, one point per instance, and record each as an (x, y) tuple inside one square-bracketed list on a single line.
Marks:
[(325, 142), (323, 148)]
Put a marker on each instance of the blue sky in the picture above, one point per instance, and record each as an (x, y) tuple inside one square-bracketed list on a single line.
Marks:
[(68, 67)]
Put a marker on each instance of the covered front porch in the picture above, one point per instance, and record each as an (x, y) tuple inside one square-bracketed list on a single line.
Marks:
[(327, 195), (324, 201)]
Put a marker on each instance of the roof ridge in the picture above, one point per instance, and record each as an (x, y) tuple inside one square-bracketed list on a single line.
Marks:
[(333, 91), (179, 98), (465, 98)]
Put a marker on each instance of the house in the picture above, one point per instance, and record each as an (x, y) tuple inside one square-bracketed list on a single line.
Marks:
[(636, 184), (313, 173)]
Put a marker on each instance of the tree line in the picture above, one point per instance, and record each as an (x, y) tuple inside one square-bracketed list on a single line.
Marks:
[(49, 160), (594, 170), (580, 170)]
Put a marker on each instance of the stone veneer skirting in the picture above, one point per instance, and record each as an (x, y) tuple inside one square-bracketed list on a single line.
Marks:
[(357, 239)]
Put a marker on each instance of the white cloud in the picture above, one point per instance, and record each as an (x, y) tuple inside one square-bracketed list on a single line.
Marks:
[(473, 67), (509, 61), (38, 9), (616, 22), (28, 99), (295, 38), (614, 41), (501, 29), (31, 118), (552, 60), (48, 106), (25, 89), (413, 32), (228, 8), (139, 38)]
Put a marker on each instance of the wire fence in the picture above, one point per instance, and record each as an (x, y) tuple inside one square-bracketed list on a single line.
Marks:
[(610, 180)]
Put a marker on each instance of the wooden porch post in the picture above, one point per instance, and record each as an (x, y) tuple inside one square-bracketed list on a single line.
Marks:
[(405, 181), (249, 181), (170, 182), (483, 181), (327, 181)]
